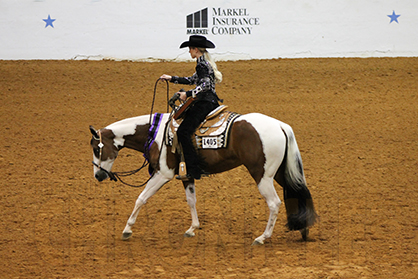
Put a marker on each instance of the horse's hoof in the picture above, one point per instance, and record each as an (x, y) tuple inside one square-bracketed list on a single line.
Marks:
[(305, 233), (126, 235), (257, 243), (189, 234)]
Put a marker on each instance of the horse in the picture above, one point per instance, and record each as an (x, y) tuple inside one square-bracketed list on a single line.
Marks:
[(265, 146)]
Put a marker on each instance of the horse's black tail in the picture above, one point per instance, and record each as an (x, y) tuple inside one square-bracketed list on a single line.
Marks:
[(298, 200)]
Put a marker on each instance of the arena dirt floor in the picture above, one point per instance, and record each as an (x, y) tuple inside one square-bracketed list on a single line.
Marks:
[(356, 125)]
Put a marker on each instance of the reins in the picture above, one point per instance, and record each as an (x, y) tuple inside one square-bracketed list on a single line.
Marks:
[(155, 93), (114, 176), (120, 174)]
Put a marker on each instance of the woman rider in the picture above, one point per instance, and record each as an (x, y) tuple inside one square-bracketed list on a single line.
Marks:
[(204, 78)]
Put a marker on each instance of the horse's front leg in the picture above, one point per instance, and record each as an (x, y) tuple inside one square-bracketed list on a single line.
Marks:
[(191, 201), (153, 185)]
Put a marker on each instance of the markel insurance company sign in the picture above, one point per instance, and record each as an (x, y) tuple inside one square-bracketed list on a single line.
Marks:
[(220, 21)]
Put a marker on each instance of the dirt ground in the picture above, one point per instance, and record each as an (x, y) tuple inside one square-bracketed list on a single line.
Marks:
[(356, 125)]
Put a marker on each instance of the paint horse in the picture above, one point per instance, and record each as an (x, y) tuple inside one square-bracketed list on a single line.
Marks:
[(265, 146)]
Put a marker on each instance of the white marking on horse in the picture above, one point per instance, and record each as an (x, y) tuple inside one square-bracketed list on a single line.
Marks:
[(126, 127), (273, 141)]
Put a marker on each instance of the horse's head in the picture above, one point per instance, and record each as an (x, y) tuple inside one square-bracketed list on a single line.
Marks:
[(104, 153)]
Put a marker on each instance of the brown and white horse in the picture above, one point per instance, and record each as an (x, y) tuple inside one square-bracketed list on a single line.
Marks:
[(265, 146)]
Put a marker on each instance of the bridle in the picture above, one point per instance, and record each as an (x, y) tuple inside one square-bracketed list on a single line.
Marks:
[(101, 145), (114, 176)]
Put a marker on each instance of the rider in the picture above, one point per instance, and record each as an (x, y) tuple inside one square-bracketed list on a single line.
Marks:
[(204, 78)]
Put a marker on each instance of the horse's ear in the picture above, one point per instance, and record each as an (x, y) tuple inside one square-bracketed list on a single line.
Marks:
[(93, 132)]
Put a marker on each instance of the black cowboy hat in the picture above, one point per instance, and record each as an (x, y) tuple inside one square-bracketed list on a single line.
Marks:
[(197, 41)]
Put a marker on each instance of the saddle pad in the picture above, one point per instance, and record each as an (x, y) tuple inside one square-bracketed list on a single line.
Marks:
[(211, 134), (152, 133)]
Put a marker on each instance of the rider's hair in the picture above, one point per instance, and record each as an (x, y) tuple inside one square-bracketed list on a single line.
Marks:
[(208, 57)]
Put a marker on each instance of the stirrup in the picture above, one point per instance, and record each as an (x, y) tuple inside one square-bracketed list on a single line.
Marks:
[(183, 176), (182, 169), (186, 177)]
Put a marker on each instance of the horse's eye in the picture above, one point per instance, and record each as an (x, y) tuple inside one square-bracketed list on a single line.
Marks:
[(96, 152)]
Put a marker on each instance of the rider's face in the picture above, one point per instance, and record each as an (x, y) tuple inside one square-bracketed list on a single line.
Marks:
[(194, 52)]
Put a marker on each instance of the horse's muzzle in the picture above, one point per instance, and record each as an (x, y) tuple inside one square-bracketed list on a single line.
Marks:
[(101, 175)]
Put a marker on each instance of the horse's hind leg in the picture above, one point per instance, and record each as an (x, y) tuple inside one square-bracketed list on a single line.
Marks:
[(267, 190), (191, 201)]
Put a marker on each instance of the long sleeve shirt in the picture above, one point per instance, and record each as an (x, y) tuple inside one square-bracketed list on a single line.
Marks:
[(203, 78)]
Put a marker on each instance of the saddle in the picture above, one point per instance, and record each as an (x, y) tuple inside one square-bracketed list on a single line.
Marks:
[(212, 133)]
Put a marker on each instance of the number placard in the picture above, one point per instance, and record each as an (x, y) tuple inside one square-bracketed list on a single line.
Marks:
[(209, 142)]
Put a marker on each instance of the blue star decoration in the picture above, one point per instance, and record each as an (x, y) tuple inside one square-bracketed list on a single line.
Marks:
[(393, 17), (49, 21)]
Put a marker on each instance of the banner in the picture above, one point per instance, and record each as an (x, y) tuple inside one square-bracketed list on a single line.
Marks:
[(154, 30)]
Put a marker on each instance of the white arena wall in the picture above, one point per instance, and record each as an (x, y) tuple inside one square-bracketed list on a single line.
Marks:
[(241, 29)]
